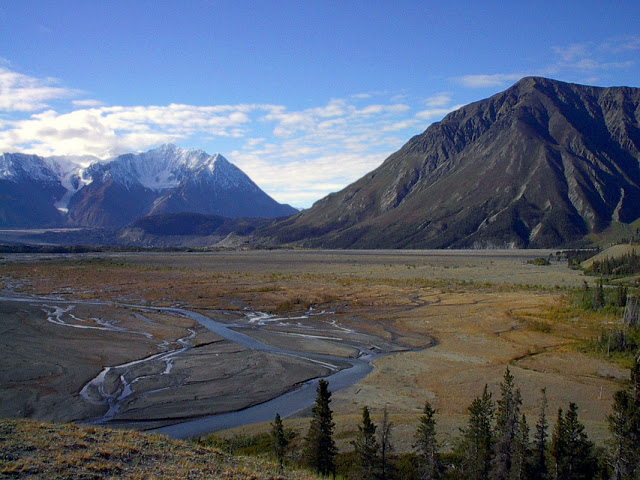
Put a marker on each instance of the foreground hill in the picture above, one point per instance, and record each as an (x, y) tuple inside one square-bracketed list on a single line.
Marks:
[(542, 164), (39, 450)]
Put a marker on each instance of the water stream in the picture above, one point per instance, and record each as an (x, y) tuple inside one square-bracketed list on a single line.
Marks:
[(345, 371)]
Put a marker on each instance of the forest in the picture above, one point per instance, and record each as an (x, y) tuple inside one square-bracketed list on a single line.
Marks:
[(497, 442)]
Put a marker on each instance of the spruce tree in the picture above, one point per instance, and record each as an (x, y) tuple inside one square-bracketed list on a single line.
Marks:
[(507, 425), (426, 445), (623, 448), (559, 446), (624, 424), (582, 463), (572, 450), (386, 447), (621, 296), (477, 445), (540, 469), (366, 447), (521, 461), (320, 449), (280, 440)]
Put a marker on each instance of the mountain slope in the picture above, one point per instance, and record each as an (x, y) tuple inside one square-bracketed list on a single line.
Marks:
[(541, 164), (29, 188), (58, 191), (191, 230), (168, 180)]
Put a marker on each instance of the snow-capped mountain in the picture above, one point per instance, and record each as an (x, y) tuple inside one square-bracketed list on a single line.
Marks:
[(168, 166), (29, 188), (83, 191)]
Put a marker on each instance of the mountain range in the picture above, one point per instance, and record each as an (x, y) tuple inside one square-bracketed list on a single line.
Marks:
[(56, 191), (543, 164)]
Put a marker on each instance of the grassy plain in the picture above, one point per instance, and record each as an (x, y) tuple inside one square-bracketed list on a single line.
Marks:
[(485, 310)]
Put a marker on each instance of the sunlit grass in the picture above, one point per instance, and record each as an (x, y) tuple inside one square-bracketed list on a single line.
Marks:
[(38, 450)]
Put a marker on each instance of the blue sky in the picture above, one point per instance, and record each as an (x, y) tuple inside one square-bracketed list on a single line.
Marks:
[(305, 97)]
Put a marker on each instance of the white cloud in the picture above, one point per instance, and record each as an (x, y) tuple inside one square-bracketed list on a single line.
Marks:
[(440, 100), (23, 93), (572, 52), (577, 61), (97, 131), (432, 113), (621, 45), (302, 177), (591, 57), (487, 81), (87, 103), (380, 109), (297, 156)]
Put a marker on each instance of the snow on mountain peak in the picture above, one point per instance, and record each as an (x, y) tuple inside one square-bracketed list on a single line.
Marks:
[(168, 166), (16, 166), (162, 168)]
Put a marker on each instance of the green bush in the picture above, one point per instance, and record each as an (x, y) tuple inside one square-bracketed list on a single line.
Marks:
[(539, 261)]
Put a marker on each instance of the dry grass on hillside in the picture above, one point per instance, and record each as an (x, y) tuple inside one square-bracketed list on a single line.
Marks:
[(31, 450), (615, 251)]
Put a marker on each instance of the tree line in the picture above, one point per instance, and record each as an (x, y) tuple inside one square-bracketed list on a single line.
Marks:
[(627, 264), (496, 443)]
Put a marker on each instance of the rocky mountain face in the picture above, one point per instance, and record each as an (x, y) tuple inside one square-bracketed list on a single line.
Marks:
[(42, 192), (542, 164), (29, 189)]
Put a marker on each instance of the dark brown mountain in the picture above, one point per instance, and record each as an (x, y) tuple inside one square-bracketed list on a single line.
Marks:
[(542, 164)]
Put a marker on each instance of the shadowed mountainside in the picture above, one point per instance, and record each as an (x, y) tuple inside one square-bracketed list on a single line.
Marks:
[(541, 164)]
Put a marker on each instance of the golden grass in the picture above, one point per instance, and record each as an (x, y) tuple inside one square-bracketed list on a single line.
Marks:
[(32, 450)]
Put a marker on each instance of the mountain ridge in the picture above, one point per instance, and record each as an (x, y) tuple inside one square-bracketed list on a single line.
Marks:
[(56, 191), (542, 164)]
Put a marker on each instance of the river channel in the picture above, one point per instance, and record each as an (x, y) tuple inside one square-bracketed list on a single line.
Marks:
[(342, 371)]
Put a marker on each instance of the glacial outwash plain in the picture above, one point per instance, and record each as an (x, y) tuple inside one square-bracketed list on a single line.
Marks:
[(122, 339)]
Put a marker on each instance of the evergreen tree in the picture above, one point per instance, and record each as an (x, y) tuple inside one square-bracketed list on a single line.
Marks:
[(624, 424), (621, 296), (386, 447), (507, 425), (559, 445), (623, 459), (320, 449), (540, 469), (477, 444), (426, 445), (366, 447), (521, 460), (572, 450), (280, 440)]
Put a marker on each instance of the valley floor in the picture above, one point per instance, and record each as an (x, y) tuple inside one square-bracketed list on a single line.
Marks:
[(447, 323)]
